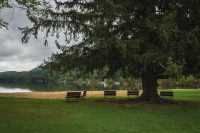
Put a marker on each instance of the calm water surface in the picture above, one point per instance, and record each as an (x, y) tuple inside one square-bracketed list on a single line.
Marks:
[(13, 90)]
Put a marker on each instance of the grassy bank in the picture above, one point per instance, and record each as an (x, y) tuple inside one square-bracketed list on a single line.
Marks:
[(57, 116)]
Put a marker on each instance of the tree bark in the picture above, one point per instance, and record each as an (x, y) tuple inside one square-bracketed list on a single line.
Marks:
[(149, 86)]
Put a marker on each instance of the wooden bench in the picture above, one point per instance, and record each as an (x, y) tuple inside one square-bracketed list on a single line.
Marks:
[(109, 94), (73, 96), (167, 93), (132, 93)]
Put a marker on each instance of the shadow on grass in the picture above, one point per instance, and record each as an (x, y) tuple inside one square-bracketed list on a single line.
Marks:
[(137, 100)]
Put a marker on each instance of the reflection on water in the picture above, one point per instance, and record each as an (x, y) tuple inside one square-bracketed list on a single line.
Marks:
[(20, 87), (13, 90)]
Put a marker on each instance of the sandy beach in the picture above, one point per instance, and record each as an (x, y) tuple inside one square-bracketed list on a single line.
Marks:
[(54, 95)]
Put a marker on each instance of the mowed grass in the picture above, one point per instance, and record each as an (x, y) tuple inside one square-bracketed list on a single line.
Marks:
[(90, 116)]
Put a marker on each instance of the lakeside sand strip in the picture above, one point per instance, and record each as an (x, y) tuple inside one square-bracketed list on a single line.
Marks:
[(55, 95)]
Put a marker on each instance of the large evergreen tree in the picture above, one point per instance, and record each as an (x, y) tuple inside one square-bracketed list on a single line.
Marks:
[(150, 39)]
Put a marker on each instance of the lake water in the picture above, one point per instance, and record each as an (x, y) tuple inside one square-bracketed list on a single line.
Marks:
[(20, 87), (13, 90)]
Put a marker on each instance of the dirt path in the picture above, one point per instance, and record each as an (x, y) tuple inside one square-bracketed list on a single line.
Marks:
[(54, 95)]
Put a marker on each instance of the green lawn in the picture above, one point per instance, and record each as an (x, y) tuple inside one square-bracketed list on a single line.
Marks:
[(57, 116)]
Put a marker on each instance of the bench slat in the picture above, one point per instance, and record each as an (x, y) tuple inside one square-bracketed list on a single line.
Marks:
[(109, 94), (166, 93), (132, 93), (73, 95)]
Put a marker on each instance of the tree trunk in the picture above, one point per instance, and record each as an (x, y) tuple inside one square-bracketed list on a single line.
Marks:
[(149, 86)]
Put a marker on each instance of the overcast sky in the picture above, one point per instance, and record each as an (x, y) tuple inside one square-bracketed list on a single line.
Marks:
[(15, 56)]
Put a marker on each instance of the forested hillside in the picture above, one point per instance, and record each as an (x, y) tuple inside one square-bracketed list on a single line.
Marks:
[(98, 79), (36, 75)]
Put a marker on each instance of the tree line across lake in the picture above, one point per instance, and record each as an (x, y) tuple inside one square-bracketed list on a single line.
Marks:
[(37, 75), (78, 80)]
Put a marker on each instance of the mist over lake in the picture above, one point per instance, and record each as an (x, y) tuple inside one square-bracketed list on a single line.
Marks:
[(21, 87), (13, 90)]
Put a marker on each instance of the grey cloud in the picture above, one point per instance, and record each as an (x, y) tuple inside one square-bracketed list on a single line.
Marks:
[(15, 56)]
